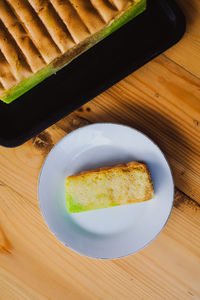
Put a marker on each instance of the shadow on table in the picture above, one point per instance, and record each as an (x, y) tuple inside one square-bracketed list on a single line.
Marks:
[(190, 8), (162, 130)]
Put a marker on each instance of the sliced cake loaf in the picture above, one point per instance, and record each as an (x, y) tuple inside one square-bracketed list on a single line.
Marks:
[(37, 38)]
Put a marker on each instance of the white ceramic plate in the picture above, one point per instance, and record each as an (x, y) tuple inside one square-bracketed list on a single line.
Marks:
[(112, 232)]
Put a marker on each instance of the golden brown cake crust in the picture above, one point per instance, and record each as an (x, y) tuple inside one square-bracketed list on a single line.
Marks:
[(132, 164)]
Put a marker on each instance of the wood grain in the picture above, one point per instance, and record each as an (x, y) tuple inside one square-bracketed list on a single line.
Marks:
[(162, 99), (187, 51)]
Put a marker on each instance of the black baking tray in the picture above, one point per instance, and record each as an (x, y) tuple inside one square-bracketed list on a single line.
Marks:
[(158, 28)]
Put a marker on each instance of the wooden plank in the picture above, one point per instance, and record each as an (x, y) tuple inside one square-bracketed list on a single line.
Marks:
[(187, 52), (34, 265)]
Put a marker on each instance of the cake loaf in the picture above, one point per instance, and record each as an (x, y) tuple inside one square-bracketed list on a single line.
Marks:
[(37, 38)]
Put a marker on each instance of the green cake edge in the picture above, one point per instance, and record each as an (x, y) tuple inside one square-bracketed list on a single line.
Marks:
[(27, 84)]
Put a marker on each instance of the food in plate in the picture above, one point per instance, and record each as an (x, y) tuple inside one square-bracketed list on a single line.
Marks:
[(109, 186), (38, 38)]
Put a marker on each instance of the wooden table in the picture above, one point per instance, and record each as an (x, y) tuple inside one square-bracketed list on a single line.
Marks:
[(162, 99)]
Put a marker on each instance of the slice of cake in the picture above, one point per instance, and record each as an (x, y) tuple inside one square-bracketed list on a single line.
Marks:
[(38, 38), (110, 186)]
